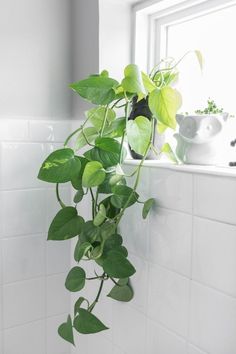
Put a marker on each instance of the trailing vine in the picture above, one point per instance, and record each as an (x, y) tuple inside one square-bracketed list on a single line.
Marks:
[(93, 166)]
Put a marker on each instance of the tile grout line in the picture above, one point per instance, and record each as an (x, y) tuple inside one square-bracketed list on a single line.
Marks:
[(191, 261)]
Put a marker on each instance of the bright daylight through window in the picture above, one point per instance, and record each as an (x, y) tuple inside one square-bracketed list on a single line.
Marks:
[(173, 28), (213, 35)]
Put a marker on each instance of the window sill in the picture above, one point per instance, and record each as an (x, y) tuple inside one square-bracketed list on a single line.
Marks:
[(199, 169)]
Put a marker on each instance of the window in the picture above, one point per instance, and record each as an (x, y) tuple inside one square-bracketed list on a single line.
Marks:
[(173, 30)]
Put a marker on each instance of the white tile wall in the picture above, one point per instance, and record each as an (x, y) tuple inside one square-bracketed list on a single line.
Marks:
[(213, 320), (170, 240), (23, 302), (172, 189), (54, 343), (184, 253), (21, 339), (19, 258), (214, 250), (214, 198), (160, 340), (168, 299), (129, 329), (185, 300), (33, 300)]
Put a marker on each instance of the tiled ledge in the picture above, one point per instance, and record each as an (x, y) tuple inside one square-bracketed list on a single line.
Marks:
[(198, 169)]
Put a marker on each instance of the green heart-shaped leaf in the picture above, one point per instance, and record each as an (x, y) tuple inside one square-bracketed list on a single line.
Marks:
[(75, 279), (87, 323), (93, 175), (90, 232), (81, 249), (78, 196), (139, 132), (96, 116), (100, 216), (133, 81), (88, 135), (65, 331), (121, 292), (164, 104), (123, 195), (60, 166), (147, 207), (66, 224), (108, 144), (78, 304), (116, 265), (96, 89)]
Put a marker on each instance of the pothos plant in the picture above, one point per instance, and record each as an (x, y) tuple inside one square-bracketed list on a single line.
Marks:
[(93, 166)]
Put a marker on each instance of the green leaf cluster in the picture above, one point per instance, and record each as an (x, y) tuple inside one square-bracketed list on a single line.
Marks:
[(93, 167)]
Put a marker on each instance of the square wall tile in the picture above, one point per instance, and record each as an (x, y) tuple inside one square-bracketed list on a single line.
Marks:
[(20, 165), (214, 198), (14, 130), (168, 299), (213, 320), (214, 249), (55, 344), (135, 231), (129, 329), (170, 240), (172, 190), (54, 131), (23, 302), (162, 341), (58, 297), (26, 339), (58, 256), (23, 258), (22, 212)]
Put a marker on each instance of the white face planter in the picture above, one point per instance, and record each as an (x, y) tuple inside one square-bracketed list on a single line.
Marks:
[(198, 138)]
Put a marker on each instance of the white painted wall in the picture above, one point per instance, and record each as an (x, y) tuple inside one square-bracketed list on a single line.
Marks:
[(35, 60), (85, 48), (114, 36)]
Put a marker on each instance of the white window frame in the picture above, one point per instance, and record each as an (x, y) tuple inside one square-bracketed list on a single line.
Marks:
[(150, 21)]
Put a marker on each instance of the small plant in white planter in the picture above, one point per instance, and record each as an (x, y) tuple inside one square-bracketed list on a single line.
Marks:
[(198, 140)]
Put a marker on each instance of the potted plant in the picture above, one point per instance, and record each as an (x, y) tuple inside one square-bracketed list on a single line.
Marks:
[(199, 135), (158, 87), (93, 167)]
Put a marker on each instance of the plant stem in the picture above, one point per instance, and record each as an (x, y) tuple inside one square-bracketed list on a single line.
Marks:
[(58, 197), (121, 147), (91, 307), (93, 202), (74, 132), (93, 278), (104, 120), (119, 216), (71, 135), (115, 282), (114, 105)]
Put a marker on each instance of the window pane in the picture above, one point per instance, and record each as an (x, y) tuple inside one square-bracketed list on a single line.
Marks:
[(214, 35)]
